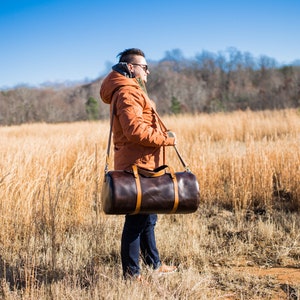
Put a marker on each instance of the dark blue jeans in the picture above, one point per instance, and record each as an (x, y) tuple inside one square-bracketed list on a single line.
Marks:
[(138, 234)]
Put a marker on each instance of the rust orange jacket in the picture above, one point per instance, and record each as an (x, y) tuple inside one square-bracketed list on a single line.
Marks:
[(137, 135)]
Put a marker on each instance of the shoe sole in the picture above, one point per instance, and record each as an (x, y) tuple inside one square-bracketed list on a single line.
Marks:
[(165, 273)]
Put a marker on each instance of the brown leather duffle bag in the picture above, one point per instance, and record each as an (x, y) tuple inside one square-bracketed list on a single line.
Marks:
[(161, 191)]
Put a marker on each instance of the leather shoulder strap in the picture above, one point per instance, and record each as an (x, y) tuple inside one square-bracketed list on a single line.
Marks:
[(111, 126)]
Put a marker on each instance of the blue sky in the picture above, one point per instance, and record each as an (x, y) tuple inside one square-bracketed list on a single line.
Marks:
[(58, 40)]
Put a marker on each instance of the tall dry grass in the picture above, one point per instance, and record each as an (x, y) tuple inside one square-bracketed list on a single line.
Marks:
[(55, 242)]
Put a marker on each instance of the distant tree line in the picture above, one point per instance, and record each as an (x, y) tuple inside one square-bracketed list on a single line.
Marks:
[(210, 82)]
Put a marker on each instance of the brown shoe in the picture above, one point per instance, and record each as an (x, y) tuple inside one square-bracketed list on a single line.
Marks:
[(140, 279), (165, 269)]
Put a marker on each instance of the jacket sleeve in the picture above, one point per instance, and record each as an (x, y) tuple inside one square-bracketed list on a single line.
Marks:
[(138, 121)]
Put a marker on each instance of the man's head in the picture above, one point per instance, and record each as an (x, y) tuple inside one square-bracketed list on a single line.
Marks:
[(136, 62)]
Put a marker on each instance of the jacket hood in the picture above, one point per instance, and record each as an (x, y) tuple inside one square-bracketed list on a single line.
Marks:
[(119, 76)]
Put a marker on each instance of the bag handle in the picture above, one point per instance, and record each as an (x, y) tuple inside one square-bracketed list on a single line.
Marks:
[(110, 136), (177, 152)]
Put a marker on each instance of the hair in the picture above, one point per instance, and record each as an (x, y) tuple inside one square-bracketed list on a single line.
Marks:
[(128, 54)]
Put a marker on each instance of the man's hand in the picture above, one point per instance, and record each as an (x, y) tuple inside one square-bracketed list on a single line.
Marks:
[(172, 135)]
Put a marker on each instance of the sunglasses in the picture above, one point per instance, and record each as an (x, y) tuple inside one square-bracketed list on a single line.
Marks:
[(144, 67)]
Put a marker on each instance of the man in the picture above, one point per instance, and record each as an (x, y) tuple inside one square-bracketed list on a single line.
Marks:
[(138, 139)]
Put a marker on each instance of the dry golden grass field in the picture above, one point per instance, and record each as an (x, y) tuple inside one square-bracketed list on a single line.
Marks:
[(242, 243)]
